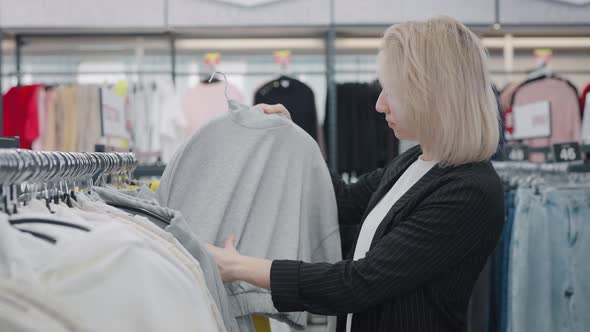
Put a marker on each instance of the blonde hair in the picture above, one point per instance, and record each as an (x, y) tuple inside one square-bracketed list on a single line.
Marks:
[(437, 71)]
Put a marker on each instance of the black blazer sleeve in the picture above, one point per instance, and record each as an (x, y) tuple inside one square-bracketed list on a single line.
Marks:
[(432, 240)]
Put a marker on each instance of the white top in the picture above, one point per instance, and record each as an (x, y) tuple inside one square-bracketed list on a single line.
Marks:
[(414, 173)]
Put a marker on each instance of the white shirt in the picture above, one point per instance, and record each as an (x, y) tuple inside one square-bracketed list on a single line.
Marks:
[(414, 173)]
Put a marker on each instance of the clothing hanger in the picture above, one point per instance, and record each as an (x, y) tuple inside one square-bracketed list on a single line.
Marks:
[(39, 235), (48, 222), (226, 83), (139, 210)]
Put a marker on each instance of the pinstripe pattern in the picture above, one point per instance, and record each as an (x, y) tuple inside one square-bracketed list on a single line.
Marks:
[(424, 259)]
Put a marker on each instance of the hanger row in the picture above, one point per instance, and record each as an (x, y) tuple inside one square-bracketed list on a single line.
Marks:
[(19, 166)]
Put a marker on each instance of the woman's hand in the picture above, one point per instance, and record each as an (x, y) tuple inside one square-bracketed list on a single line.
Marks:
[(227, 259), (274, 109), (234, 267)]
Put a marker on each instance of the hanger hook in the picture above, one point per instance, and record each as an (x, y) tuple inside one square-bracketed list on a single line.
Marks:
[(224, 79)]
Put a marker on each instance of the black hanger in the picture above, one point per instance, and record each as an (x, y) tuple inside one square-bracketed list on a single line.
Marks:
[(40, 236), (141, 211), (49, 222), (209, 81)]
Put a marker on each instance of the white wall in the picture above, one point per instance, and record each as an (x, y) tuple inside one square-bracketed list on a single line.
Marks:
[(82, 13), (205, 13), (544, 12), (387, 11)]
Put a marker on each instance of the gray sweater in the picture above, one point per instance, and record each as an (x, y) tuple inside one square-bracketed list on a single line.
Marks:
[(263, 179)]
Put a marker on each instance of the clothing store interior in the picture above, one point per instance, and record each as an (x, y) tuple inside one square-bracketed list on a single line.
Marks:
[(106, 112)]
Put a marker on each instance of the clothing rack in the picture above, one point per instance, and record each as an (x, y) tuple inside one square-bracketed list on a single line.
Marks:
[(570, 167), (19, 166)]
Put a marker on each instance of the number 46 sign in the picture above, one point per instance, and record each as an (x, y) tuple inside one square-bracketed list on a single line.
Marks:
[(565, 152)]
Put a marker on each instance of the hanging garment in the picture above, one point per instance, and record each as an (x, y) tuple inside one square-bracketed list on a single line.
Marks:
[(206, 101), (143, 198), (565, 109), (28, 310), (584, 105), (548, 272), (168, 119), (42, 119), (140, 112), (89, 118), (263, 179), (116, 276), (20, 116), (296, 96), (507, 93), (50, 129), (68, 118), (365, 142)]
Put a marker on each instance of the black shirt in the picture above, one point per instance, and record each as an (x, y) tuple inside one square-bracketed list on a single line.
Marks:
[(296, 96)]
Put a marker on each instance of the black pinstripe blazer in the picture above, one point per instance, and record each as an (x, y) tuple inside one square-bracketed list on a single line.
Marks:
[(425, 257)]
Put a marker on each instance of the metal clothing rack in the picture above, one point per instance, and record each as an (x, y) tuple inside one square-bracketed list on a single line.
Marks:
[(24, 166), (569, 167)]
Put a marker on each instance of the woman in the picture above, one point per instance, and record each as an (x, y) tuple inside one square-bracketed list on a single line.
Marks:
[(430, 219)]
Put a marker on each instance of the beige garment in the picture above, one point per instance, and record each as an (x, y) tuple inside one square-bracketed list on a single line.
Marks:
[(89, 117), (68, 111), (50, 129)]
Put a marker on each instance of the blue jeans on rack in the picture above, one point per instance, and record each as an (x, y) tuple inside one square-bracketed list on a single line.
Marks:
[(499, 287), (503, 262), (549, 272)]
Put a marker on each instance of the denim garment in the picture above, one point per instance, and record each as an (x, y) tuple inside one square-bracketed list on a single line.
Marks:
[(569, 216), (549, 270), (499, 287), (526, 219), (505, 262)]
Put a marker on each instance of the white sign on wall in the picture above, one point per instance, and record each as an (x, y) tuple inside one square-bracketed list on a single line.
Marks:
[(531, 121)]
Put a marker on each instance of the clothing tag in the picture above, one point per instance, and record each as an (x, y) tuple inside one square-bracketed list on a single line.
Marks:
[(565, 152), (516, 152)]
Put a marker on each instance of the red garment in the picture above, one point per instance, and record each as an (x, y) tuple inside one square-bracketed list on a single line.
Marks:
[(20, 115), (583, 98)]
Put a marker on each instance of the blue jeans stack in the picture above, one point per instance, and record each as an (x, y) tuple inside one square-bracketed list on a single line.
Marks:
[(548, 271)]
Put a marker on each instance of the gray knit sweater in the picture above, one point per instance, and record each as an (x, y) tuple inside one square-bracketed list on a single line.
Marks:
[(263, 179)]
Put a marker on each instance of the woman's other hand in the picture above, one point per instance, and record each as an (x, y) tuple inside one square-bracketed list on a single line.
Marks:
[(234, 267), (274, 109), (227, 259)]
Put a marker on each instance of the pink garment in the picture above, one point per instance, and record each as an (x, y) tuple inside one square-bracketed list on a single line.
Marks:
[(205, 102), (507, 93), (565, 111)]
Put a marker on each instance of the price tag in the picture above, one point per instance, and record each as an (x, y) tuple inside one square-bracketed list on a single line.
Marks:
[(531, 121), (566, 152), (516, 152)]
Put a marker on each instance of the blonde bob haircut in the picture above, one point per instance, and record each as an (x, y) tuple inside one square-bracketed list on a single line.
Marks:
[(437, 72)]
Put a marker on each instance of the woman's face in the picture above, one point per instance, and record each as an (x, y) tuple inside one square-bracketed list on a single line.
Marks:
[(387, 105)]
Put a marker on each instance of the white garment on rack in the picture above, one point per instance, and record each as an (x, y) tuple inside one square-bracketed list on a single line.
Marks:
[(115, 277), (23, 309)]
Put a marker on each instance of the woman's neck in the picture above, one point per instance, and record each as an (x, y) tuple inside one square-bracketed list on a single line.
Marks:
[(426, 156)]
